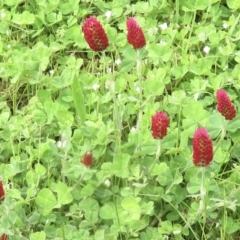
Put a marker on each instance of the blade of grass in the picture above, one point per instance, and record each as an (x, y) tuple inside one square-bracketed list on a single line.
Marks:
[(78, 98)]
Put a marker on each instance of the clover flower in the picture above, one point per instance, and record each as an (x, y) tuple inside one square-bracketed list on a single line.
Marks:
[(160, 124), (108, 14), (118, 61), (202, 148), (95, 86), (224, 105), (225, 25), (206, 49), (94, 34), (87, 159), (135, 34), (4, 237), (163, 26), (2, 192)]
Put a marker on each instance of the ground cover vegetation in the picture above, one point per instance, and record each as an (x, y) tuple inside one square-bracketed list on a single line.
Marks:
[(119, 119)]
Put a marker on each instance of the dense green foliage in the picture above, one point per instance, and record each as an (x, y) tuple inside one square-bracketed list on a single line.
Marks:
[(60, 99)]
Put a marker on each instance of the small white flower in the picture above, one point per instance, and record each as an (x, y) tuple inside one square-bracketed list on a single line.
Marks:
[(138, 89), (119, 96), (225, 25), (95, 86), (3, 15), (108, 14), (162, 42), (8, 32), (118, 61), (133, 129), (206, 49), (107, 183), (51, 72), (63, 142), (8, 46), (109, 70), (163, 26)]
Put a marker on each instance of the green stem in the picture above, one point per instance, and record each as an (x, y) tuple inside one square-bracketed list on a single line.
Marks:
[(117, 123), (139, 74), (104, 62), (234, 26), (223, 134), (78, 97), (116, 209), (117, 119), (177, 10), (117, 132), (140, 113), (178, 140), (203, 193), (191, 31), (158, 154)]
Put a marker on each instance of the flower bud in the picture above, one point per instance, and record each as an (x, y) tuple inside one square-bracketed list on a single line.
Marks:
[(224, 105), (159, 125), (87, 159), (94, 34), (2, 193), (4, 237), (135, 34), (202, 148)]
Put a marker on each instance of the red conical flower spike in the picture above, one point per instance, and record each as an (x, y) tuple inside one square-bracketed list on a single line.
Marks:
[(135, 34), (87, 159), (2, 193), (4, 237), (224, 105), (202, 148), (95, 34), (159, 125)]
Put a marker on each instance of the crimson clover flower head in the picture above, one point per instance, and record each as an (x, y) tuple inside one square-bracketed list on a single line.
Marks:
[(202, 148), (87, 159), (94, 34), (2, 193), (135, 34), (160, 124), (4, 237), (224, 105)]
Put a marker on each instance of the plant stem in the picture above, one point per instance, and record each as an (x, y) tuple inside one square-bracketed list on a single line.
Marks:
[(117, 123), (177, 10), (202, 192), (139, 74), (117, 119), (140, 113), (158, 154), (223, 134), (191, 31)]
